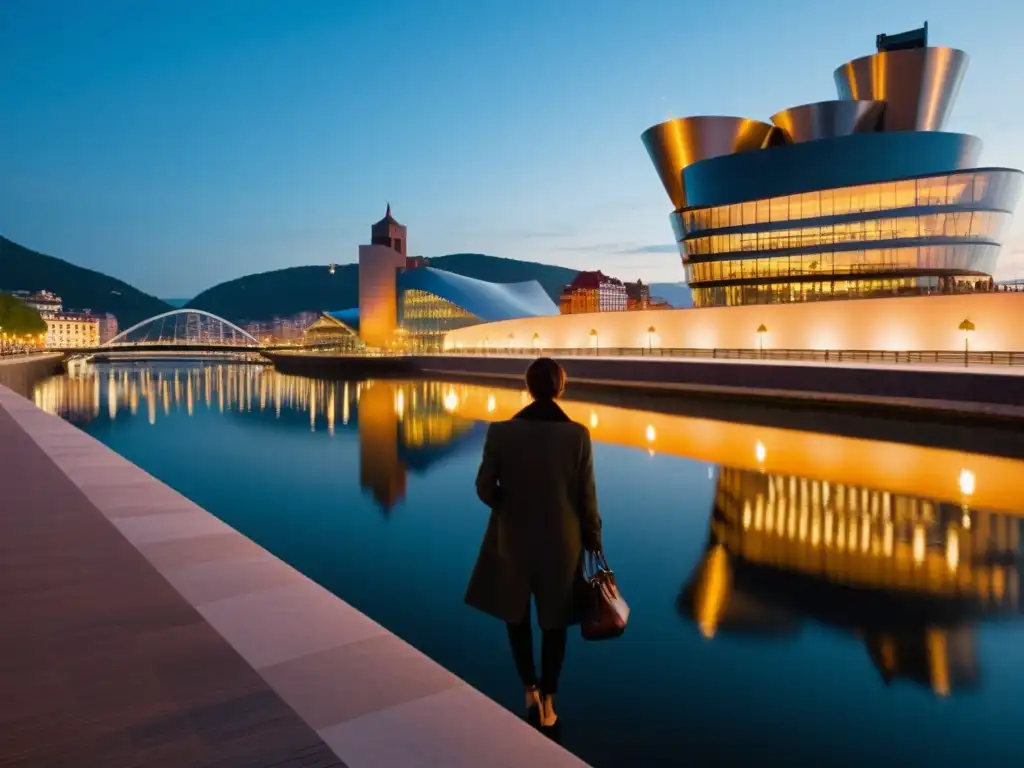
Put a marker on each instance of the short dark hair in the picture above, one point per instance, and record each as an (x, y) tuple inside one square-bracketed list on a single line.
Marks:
[(545, 379)]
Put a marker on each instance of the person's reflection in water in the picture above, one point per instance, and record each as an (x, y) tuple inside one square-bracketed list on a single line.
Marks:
[(537, 476)]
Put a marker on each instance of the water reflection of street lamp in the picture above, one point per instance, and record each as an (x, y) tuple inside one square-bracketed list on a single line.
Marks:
[(593, 335), (966, 326), (451, 401), (650, 338), (967, 483), (761, 331)]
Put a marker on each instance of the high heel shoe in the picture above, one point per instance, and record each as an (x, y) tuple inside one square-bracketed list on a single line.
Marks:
[(534, 705), (548, 716)]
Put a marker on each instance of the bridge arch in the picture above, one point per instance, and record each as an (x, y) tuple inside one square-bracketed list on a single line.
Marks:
[(238, 335)]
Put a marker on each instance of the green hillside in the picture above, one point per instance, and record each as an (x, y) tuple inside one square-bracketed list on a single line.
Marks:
[(80, 288), (286, 292), (281, 293)]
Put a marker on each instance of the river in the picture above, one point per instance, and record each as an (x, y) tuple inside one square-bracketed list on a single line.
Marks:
[(797, 597)]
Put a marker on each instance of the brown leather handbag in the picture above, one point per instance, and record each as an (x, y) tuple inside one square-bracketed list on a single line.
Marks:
[(605, 612)]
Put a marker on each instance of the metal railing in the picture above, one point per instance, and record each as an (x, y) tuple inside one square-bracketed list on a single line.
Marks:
[(784, 355)]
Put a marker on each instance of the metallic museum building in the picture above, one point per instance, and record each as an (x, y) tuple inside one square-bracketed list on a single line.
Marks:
[(863, 196)]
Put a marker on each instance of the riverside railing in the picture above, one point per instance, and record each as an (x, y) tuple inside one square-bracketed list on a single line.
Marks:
[(943, 357)]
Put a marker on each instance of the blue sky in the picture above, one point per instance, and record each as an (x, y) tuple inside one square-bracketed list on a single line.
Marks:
[(179, 143)]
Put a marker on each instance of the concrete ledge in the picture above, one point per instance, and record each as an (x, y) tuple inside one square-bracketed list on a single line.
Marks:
[(374, 699), (21, 372), (967, 394)]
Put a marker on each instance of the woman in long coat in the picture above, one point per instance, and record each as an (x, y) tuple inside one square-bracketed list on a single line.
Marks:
[(537, 476)]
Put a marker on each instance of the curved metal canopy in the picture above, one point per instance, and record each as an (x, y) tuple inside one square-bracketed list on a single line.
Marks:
[(828, 119), (488, 301), (675, 144), (918, 85)]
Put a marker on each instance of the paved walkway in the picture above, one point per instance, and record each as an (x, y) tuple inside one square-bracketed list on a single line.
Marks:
[(140, 630)]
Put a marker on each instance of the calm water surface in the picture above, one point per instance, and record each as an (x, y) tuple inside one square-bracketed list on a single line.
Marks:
[(798, 598)]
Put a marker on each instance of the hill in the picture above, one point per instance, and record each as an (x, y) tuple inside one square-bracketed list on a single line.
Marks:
[(286, 292), (80, 288), (676, 294)]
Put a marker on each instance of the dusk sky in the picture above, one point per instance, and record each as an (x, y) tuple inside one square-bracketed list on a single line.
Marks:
[(179, 143)]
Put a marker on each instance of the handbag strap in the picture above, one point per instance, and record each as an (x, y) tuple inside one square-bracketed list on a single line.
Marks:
[(594, 563)]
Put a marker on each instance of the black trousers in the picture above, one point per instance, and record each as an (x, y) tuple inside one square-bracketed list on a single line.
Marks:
[(552, 654)]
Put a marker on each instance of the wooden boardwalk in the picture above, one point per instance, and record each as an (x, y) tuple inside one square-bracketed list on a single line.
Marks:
[(102, 662)]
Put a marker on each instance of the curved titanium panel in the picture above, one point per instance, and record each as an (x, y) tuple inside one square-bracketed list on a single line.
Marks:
[(488, 301), (919, 85), (349, 317), (827, 119), (843, 161), (675, 144)]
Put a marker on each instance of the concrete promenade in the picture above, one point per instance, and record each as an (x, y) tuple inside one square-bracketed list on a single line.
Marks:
[(141, 630)]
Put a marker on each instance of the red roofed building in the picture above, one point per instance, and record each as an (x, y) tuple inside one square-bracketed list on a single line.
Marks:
[(593, 292)]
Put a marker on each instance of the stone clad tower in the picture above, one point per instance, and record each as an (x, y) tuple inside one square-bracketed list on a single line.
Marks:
[(379, 264), (389, 232)]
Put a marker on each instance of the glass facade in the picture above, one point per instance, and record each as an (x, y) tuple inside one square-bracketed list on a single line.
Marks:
[(426, 318), (925, 235), (984, 189)]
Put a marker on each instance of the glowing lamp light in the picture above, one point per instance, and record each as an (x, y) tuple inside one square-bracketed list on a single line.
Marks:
[(593, 419), (594, 336), (650, 337), (399, 402), (491, 404), (536, 340), (967, 327), (451, 401), (760, 452), (967, 482), (762, 329), (650, 434)]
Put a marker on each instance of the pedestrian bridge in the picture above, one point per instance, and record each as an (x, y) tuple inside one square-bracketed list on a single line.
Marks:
[(177, 332)]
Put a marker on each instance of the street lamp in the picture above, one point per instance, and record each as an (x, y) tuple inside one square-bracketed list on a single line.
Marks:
[(536, 340), (966, 326), (511, 341), (761, 331), (593, 333), (650, 338)]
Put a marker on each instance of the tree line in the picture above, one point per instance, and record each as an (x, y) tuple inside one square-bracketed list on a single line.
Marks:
[(16, 319)]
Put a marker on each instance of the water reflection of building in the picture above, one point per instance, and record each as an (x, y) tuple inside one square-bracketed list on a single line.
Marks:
[(402, 425), (907, 575), (380, 470)]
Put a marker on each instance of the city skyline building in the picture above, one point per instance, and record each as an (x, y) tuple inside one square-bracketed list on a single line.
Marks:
[(66, 330), (593, 291), (40, 301), (638, 296), (862, 196)]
